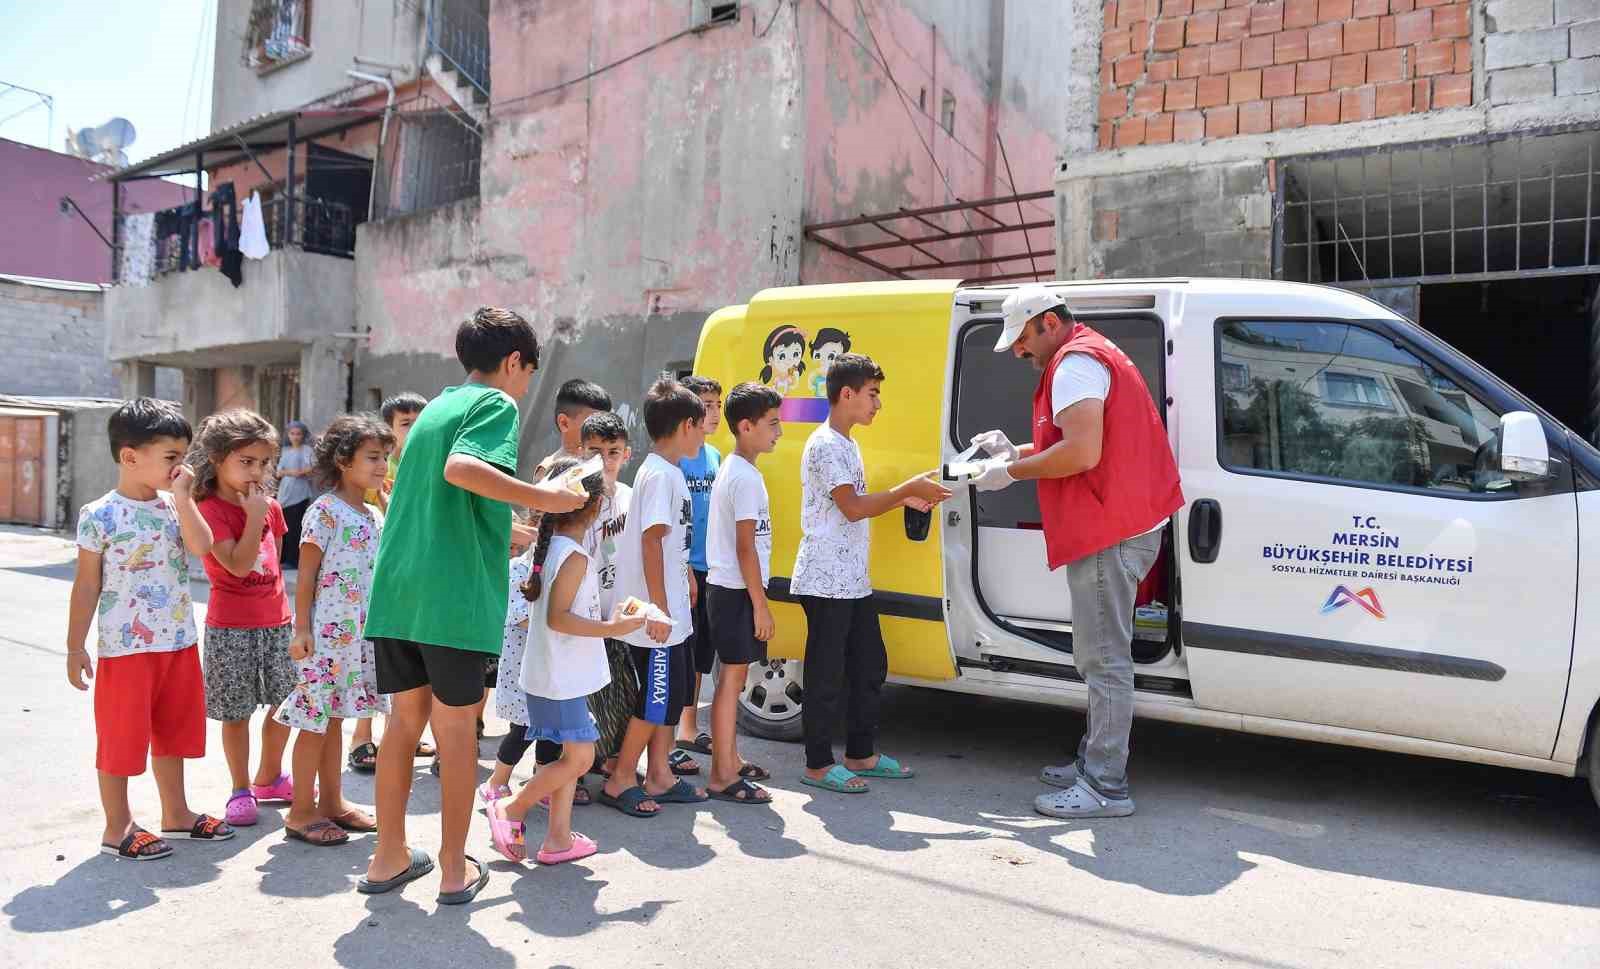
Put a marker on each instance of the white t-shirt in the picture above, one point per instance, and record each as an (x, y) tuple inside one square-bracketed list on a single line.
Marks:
[(1078, 377), (660, 497), (557, 666), (832, 561), (144, 574), (738, 495), (600, 544)]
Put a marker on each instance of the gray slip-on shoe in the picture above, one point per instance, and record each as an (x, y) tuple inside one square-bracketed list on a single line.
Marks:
[(1064, 776), (1081, 801)]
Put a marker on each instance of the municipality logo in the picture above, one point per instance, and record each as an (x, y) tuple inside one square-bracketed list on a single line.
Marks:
[(1342, 596)]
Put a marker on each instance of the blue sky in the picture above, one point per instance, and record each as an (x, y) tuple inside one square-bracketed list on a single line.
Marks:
[(103, 58)]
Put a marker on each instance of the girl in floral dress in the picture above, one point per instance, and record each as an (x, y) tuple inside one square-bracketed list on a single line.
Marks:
[(338, 677)]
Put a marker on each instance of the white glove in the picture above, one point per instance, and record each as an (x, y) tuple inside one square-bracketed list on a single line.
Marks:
[(997, 444), (994, 478)]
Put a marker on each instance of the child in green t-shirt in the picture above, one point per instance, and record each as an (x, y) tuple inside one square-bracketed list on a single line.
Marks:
[(449, 518)]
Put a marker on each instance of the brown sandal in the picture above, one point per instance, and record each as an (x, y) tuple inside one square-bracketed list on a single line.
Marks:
[(313, 834), (355, 820)]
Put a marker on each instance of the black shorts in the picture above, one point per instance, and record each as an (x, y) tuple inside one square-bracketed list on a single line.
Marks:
[(700, 643), (454, 675), (666, 683), (733, 626)]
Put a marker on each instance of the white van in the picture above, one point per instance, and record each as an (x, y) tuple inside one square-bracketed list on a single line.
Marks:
[(1383, 545)]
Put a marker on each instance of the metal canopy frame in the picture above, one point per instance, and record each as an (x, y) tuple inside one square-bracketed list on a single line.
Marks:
[(904, 253)]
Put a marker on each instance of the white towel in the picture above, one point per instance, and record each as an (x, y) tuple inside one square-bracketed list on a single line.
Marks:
[(252, 230)]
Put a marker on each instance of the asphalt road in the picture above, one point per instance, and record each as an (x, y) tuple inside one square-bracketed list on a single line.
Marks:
[(1245, 851)]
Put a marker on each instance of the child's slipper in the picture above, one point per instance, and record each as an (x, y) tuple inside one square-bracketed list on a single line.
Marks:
[(489, 794), (680, 793), (582, 847), (420, 865), (742, 792), (751, 772), (356, 820), (424, 749), (580, 798), (242, 811), (682, 765), (314, 834), (837, 780), (469, 893), (206, 828), (628, 802), (139, 845), (886, 767), (364, 758), (701, 744), (506, 834), (280, 791)]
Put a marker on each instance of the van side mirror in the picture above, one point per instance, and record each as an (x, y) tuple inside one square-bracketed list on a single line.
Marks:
[(1524, 453)]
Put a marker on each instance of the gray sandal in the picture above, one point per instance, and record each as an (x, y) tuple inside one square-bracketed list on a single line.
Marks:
[(1081, 801), (469, 893)]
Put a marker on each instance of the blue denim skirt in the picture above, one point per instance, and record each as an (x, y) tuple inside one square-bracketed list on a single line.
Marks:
[(561, 720)]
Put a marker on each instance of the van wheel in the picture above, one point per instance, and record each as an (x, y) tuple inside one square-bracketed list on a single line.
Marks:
[(769, 707), (1594, 758)]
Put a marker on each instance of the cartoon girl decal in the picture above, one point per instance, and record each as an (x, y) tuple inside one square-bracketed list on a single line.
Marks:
[(784, 353), (829, 345)]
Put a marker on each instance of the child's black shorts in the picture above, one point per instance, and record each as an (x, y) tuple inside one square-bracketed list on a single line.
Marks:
[(666, 683), (454, 675), (733, 626)]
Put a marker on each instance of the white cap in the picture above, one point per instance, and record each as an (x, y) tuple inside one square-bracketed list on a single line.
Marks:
[(1022, 305)]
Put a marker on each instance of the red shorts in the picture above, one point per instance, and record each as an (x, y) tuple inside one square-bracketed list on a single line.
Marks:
[(148, 704)]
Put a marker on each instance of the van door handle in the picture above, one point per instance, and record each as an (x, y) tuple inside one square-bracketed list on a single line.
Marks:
[(1205, 530)]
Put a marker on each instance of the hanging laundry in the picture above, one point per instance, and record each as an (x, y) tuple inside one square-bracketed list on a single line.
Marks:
[(138, 249), (225, 233), (252, 230)]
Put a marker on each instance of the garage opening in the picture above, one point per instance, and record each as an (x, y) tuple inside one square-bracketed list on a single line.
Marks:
[(1491, 243)]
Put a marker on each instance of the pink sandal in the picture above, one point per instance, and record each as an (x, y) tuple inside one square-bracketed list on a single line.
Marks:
[(506, 834), (489, 795), (241, 812), (582, 847), (280, 791)]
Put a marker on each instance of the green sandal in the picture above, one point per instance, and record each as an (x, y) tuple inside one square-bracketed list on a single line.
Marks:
[(837, 780), (886, 767)]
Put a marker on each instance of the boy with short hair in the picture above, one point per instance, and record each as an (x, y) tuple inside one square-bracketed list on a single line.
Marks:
[(653, 566), (399, 412), (606, 435), (449, 517), (739, 552), (133, 571), (846, 663), (699, 471)]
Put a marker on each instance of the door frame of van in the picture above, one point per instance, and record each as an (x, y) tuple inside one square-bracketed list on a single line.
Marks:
[(1173, 645)]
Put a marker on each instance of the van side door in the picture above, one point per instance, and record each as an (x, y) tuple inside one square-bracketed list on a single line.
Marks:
[(1352, 555)]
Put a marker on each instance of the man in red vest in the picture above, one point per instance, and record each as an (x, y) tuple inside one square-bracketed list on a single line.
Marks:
[(1107, 486)]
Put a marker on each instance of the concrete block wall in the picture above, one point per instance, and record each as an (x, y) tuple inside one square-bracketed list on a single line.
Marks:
[(54, 344), (1191, 70), (1541, 48)]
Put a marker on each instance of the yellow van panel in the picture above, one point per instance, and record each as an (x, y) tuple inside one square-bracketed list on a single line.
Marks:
[(904, 326)]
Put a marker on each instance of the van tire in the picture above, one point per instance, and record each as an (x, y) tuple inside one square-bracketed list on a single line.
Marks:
[(1591, 758), (770, 705)]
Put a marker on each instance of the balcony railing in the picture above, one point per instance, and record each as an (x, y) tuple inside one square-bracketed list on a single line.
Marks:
[(184, 240), (458, 31)]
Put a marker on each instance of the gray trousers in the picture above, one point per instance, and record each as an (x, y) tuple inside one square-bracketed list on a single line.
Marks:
[(1103, 586)]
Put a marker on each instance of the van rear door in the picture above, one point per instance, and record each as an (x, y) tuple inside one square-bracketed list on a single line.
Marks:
[(1352, 556)]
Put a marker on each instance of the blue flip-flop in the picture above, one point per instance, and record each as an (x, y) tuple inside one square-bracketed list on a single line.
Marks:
[(420, 865), (628, 802), (886, 767), (680, 793), (836, 780)]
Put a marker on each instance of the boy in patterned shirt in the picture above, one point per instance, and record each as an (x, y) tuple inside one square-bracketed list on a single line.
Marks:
[(133, 572), (846, 662)]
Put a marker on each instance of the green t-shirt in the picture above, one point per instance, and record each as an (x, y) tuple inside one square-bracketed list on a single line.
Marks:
[(443, 568)]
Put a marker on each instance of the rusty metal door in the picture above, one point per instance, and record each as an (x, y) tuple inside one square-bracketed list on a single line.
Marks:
[(22, 470)]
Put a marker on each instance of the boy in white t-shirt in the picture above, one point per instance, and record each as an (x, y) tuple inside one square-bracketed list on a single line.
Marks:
[(606, 435), (846, 663), (652, 565), (739, 556)]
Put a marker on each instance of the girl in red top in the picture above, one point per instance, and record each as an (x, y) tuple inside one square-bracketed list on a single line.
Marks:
[(248, 625)]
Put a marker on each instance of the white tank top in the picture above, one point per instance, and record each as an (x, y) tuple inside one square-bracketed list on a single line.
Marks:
[(556, 666)]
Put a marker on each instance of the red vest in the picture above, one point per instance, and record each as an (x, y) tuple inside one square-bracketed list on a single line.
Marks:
[(1135, 485)]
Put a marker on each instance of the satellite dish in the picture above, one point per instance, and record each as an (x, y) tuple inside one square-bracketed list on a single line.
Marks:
[(103, 143)]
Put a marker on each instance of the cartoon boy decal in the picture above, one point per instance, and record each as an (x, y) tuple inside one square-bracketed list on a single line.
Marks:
[(784, 353), (829, 345)]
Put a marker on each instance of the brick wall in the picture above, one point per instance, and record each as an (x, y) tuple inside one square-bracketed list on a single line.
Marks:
[(1187, 70), (1539, 48)]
